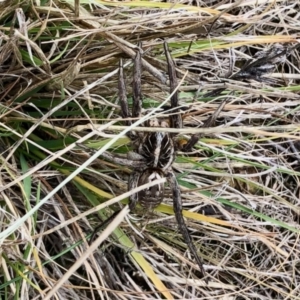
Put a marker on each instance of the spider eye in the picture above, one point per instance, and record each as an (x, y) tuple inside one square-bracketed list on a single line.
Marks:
[(153, 196)]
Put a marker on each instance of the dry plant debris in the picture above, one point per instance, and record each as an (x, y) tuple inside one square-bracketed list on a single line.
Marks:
[(240, 184)]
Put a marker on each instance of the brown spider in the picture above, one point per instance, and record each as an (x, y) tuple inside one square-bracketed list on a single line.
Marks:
[(154, 151)]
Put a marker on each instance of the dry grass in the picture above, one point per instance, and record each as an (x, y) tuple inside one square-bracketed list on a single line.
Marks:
[(240, 186)]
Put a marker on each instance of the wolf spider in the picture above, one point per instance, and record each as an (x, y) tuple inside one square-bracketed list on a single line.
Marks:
[(154, 151)]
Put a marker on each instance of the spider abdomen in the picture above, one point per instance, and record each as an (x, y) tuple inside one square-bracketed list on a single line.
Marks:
[(153, 196)]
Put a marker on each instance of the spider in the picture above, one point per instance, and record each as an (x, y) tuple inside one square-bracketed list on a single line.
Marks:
[(154, 151)]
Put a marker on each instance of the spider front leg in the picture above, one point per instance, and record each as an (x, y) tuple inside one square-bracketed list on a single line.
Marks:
[(137, 94), (136, 86), (136, 89), (177, 205), (175, 118), (122, 95)]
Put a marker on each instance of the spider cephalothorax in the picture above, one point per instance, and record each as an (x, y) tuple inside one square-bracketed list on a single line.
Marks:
[(158, 150), (154, 152)]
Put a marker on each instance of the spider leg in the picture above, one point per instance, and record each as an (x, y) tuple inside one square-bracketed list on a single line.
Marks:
[(175, 119), (136, 86), (133, 183), (124, 102), (208, 123), (177, 204), (132, 163), (136, 163), (122, 94)]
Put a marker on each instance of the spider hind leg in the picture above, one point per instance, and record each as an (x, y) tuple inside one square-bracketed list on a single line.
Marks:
[(177, 205)]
